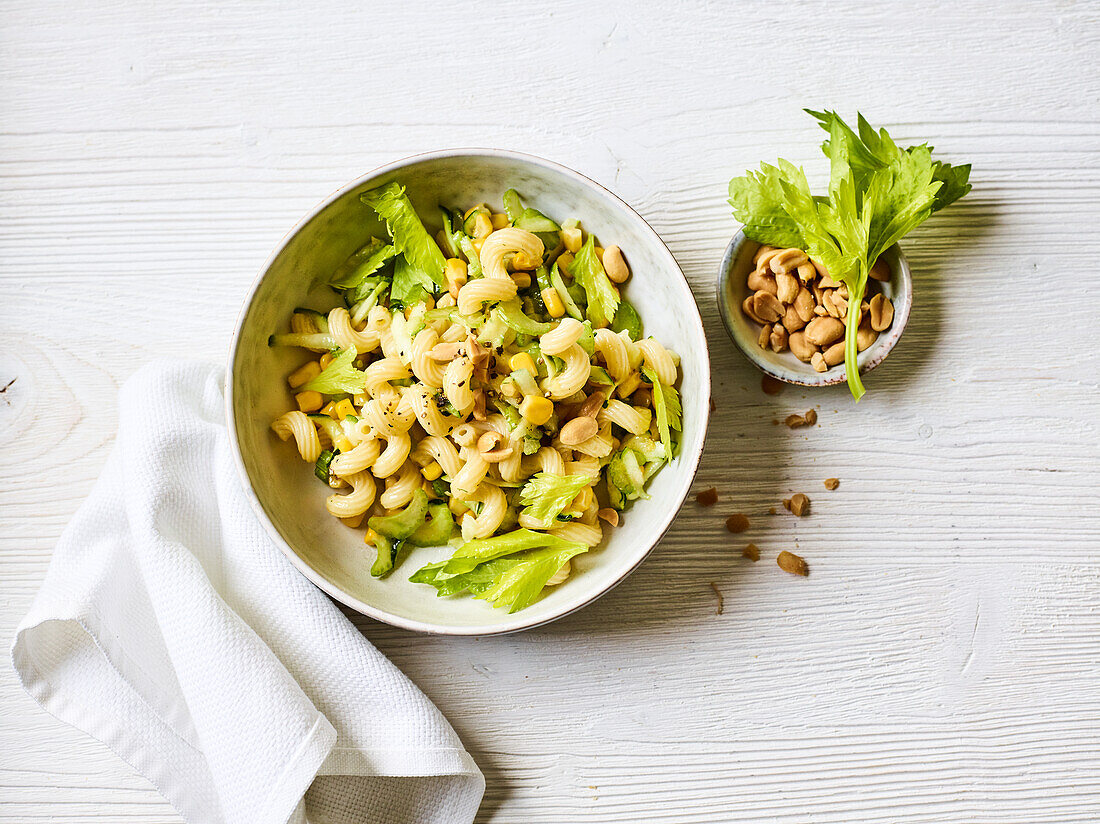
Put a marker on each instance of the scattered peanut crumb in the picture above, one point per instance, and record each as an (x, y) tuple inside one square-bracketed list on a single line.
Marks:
[(721, 600), (713, 406), (794, 564), (808, 419), (708, 497), (752, 552), (737, 523), (832, 483), (770, 385), (787, 504), (771, 510), (800, 504)]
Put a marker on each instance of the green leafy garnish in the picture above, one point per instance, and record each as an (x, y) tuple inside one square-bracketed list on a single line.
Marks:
[(603, 299), (410, 239), (878, 193), (666, 409), (340, 376), (546, 495), (372, 257), (627, 320), (410, 285), (508, 571)]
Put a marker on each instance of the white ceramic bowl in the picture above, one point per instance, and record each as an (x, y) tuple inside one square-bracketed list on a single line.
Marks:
[(287, 497), (733, 289)]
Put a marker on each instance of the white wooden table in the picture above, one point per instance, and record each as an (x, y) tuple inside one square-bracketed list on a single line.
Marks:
[(940, 664)]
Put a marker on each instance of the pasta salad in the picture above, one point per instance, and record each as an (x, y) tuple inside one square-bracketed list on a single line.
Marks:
[(486, 388)]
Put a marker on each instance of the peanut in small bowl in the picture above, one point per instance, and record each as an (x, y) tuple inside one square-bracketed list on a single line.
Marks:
[(760, 328)]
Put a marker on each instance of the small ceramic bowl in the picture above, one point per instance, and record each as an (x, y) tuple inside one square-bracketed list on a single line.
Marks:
[(733, 289), (283, 491)]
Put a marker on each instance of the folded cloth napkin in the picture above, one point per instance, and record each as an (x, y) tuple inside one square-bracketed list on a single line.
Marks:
[(170, 628)]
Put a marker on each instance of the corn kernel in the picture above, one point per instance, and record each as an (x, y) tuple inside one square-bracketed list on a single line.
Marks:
[(457, 507), (477, 243), (565, 260), (454, 275), (432, 471), (482, 225), (571, 237), (304, 375), (326, 359), (522, 280), (354, 521), (329, 409), (499, 221), (360, 400), (522, 360), (552, 300), (343, 444), (536, 410), (344, 408), (309, 401), (521, 262)]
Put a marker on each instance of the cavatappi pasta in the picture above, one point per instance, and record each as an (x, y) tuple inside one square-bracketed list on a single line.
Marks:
[(487, 387)]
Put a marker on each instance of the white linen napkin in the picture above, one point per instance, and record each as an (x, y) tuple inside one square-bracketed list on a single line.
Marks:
[(170, 628)]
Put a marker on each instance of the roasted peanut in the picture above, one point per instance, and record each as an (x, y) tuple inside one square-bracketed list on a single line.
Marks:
[(800, 504), (746, 307), (493, 447), (802, 349), (778, 338), (881, 270), (762, 280), (824, 331), (767, 306), (615, 265), (764, 336), (882, 313), (592, 405), (792, 320), (818, 362), (827, 282), (834, 354), (577, 431), (804, 305), (786, 288), (827, 302), (821, 311), (865, 336), (786, 260), (806, 272), (446, 351), (794, 564), (821, 270), (762, 252)]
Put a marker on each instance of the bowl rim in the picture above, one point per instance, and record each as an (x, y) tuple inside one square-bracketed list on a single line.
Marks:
[(812, 379), (504, 625)]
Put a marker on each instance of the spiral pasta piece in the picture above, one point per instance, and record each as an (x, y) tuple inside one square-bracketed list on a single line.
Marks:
[(573, 377), (612, 350), (456, 384), (547, 459), (502, 243), (440, 450), (561, 575), (347, 336), (485, 290), (426, 369), (357, 501), (359, 458), (493, 507), (634, 419), (298, 425), (401, 486), (380, 373), (389, 416), (465, 482), (599, 445), (659, 359), (565, 334), (423, 403), (393, 456)]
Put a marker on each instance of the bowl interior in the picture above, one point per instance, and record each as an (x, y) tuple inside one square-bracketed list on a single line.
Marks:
[(289, 498), (733, 289)]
